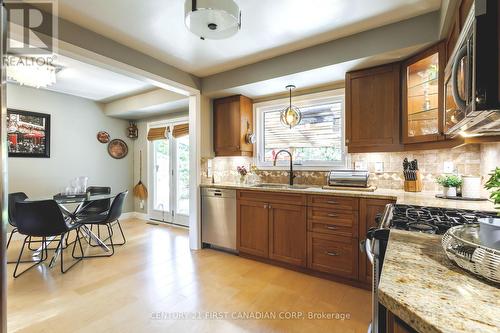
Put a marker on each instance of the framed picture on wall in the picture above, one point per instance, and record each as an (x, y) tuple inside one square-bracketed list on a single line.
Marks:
[(28, 134)]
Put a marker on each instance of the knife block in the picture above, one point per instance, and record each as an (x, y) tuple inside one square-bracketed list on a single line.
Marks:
[(414, 185)]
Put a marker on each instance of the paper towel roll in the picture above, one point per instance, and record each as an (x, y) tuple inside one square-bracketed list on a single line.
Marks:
[(471, 187)]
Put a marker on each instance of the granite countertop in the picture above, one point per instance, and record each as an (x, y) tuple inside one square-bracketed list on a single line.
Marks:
[(401, 197), (430, 293)]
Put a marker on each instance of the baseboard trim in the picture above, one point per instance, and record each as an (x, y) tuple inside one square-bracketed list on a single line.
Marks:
[(135, 215)]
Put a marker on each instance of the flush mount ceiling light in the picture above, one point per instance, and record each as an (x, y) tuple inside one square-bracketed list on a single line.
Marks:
[(37, 73), (291, 115), (212, 19)]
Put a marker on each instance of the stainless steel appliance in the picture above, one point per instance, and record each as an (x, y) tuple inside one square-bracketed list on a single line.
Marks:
[(348, 178), (410, 218), (472, 102), (218, 218)]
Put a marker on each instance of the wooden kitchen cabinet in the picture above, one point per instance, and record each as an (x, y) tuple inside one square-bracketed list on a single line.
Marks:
[(337, 255), (232, 121), (373, 107), (422, 107), (287, 234), (368, 210), (396, 325), (252, 230), (272, 225)]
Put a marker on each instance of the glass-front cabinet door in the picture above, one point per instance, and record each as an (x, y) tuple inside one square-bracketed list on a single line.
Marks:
[(423, 96)]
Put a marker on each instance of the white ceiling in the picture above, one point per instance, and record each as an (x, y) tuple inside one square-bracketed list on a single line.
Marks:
[(80, 79), (181, 105), (317, 77), (156, 27)]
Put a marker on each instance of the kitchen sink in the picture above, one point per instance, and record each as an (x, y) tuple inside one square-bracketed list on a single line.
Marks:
[(271, 185), (282, 186)]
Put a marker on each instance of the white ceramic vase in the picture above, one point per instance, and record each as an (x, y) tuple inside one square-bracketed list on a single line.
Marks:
[(450, 191)]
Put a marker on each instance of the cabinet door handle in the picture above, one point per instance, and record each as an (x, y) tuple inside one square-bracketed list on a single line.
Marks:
[(332, 254), (265, 206), (270, 207), (333, 215), (331, 227)]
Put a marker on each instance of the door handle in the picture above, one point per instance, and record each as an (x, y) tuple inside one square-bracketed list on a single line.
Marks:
[(332, 254), (265, 206)]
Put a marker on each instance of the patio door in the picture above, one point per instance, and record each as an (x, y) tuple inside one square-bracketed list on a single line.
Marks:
[(169, 179)]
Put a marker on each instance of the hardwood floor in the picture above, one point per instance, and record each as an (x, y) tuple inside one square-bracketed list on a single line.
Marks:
[(155, 275)]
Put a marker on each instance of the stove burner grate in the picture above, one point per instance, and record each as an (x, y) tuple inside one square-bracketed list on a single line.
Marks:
[(431, 219)]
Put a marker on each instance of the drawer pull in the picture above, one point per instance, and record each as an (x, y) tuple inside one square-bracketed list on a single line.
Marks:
[(331, 227), (332, 202), (333, 215), (332, 254)]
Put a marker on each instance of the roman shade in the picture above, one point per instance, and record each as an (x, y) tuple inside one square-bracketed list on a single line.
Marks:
[(158, 133), (180, 130)]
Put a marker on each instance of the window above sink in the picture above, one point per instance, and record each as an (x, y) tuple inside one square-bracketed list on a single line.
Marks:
[(317, 142)]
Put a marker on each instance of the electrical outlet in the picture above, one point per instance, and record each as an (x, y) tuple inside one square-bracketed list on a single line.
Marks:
[(209, 168), (379, 167), (360, 165), (448, 167)]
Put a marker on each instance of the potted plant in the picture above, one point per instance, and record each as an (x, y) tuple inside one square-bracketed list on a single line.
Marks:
[(242, 170), (450, 184), (493, 184)]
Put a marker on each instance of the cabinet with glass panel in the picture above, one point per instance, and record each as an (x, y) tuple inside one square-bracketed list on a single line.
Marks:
[(423, 96)]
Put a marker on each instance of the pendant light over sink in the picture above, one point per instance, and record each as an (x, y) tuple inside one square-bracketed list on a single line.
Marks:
[(212, 19), (291, 115)]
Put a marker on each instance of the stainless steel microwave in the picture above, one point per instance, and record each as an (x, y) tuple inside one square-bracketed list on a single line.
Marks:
[(472, 90)]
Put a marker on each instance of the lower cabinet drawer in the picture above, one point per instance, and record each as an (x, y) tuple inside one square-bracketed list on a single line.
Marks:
[(329, 221), (337, 255)]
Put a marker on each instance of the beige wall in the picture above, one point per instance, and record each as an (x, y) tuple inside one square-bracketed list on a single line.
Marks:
[(75, 150), (141, 144)]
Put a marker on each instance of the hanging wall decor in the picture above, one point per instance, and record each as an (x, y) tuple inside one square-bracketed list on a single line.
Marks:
[(117, 149), (28, 134), (103, 137), (133, 131)]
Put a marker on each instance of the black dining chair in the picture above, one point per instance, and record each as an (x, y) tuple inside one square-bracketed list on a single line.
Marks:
[(95, 207), (108, 219), (13, 198), (44, 219)]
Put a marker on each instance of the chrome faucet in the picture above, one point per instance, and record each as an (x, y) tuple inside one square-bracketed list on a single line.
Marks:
[(292, 176)]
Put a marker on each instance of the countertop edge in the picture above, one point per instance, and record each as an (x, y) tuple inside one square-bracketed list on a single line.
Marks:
[(313, 191), (404, 312), (397, 195)]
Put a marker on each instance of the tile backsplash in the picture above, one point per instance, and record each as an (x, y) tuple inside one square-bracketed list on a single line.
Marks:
[(466, 160)]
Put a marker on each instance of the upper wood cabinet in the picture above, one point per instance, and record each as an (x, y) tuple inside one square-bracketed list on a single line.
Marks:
[(233, 119), (422, 110), (373, 109)]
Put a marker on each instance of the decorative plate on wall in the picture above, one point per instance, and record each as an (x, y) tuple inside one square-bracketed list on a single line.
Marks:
[(117, 149), (103, 137)]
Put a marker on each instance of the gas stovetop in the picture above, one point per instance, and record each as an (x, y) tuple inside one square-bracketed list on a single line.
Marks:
[(432, 220)]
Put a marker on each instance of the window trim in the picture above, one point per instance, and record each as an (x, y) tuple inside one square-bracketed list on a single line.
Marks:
[(259, 109)]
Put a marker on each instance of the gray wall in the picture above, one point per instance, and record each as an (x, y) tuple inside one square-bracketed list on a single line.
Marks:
[(75, 150)]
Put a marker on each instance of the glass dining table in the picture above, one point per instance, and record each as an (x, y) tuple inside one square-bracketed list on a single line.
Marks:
[(71, 206)]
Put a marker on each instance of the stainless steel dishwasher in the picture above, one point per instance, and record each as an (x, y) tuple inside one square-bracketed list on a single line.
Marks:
[(218, 218)]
